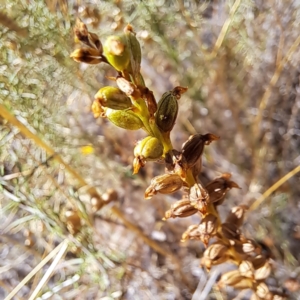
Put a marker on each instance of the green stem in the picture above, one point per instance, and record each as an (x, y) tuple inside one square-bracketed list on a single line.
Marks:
[(162, 136), (143, 113)]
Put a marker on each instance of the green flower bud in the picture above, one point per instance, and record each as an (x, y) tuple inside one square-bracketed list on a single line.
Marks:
[(124, 118), (116, 52), (113, 98), (167, 110), (135, 55), (150, 148)]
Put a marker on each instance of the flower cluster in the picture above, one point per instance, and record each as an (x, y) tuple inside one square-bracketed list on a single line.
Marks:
[(131, 105)]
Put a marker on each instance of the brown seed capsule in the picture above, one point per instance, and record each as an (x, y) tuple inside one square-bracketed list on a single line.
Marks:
[(258, 261), (196, 169), (192, 233), (215, 252), (199, 197), (208, 263), (246, 269), (87, 55), (236, 215), (180, 209), (208, 228), (218, 187), (262, 291), (230, 278), (164, 184), (247, 247), (236, 280), (81, 32), (193, 148), (244, 283), (230, 231), (171, 160), (88, 38), (263, 272)]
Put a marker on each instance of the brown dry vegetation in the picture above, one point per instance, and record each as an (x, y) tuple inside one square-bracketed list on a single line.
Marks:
[(240, 60)]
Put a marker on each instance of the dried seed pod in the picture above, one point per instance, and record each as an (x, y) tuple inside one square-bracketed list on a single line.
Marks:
[(124, 118), (247, 247), (171, 160), (116, 52), (193, 148), (208, 263), (230, 278), (197, 167), (87, 55), (230, 231), (180, 209), (236, 215), (208, 228), (88, 38), (216, 252), (218, 187), (263, 272), (262, 291), (113, 98), (258, 261), (246, 269), (244, 283), (199, 197), (192, 233), (73, 221), (95, 42), (236, 280), (81, 31), (164, 184), (150, 148)]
